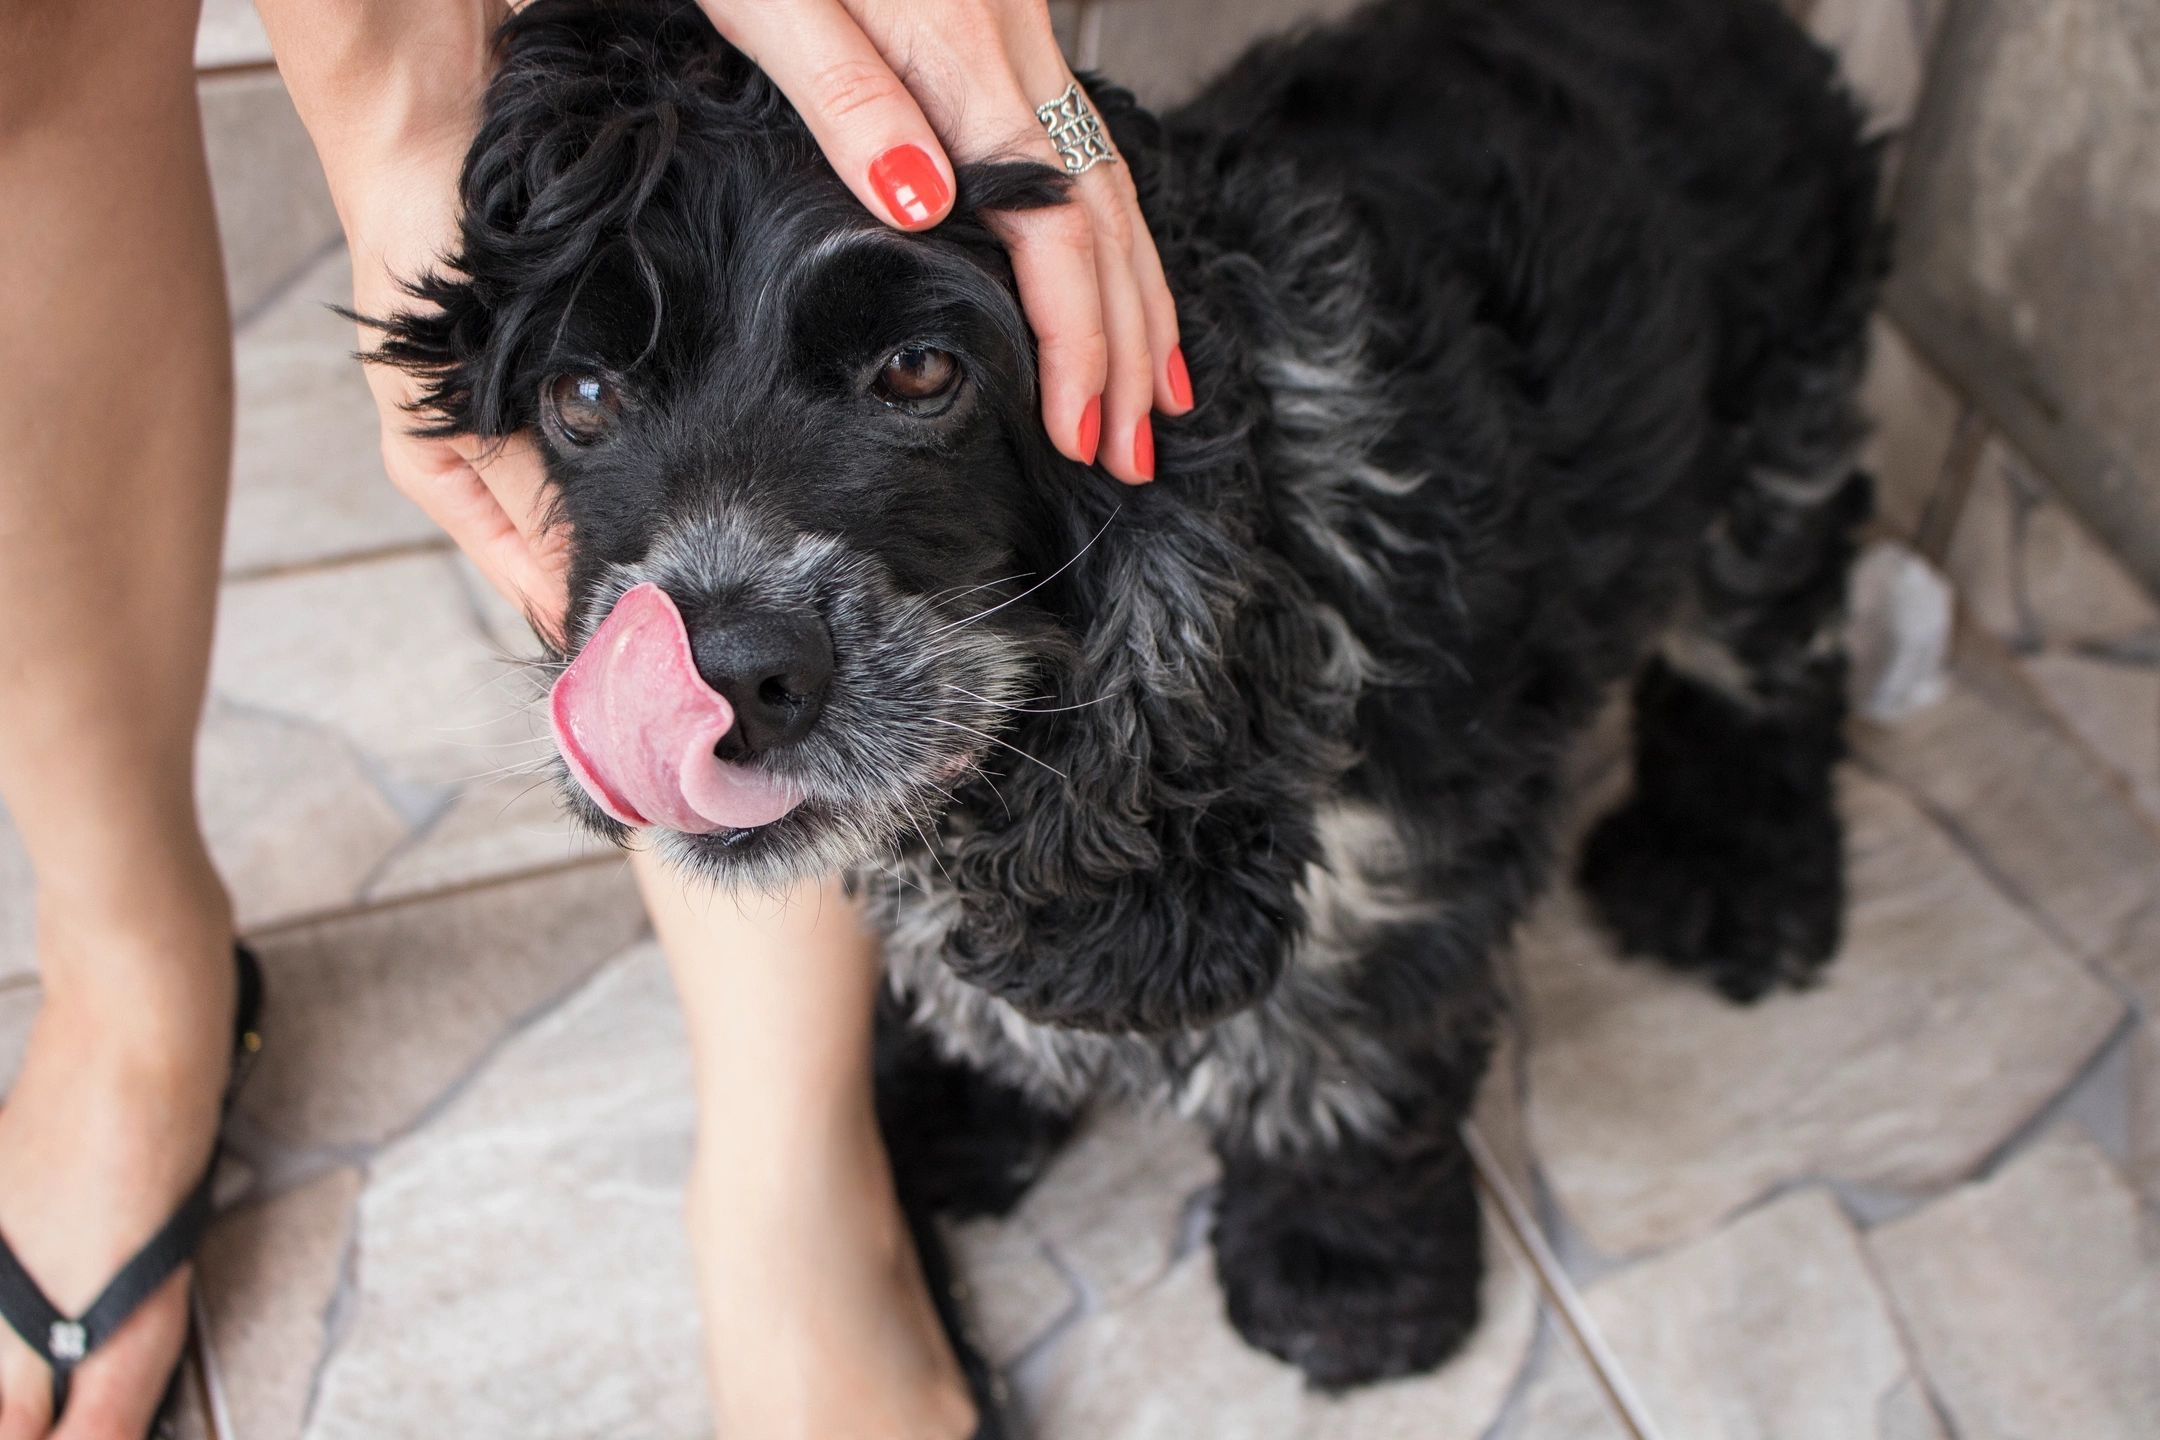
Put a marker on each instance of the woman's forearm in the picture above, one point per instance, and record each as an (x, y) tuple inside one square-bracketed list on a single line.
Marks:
[(372, 78)]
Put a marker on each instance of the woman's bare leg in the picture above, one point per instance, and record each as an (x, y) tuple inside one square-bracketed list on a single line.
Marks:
[(115, 431), (816, 1320)]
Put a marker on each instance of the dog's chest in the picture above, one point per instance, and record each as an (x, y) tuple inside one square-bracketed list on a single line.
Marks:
[(1297, 1069)]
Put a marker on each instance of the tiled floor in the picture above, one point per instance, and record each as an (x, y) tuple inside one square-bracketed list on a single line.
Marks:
[(1918, 1203)]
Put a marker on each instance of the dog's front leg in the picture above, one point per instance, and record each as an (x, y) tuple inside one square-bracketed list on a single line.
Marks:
[(1358, 1260)]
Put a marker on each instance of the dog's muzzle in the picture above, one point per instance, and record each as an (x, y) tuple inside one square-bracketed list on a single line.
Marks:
[(639, 728)]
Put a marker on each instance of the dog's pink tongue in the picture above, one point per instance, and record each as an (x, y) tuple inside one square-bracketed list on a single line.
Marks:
[(637, 724)]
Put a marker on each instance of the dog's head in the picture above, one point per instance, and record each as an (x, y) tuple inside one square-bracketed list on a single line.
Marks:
[(806, 448), (811, 434)]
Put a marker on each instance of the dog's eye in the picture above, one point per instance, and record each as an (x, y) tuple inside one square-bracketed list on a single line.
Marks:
[(582, 408), (919, 380)]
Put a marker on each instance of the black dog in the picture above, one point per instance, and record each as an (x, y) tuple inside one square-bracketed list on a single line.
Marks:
[(1524, 337)]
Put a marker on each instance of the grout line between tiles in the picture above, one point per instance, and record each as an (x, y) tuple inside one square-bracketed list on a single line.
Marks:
[(1552, 1279), (284, 288), (310, 920), (1907, 1341), (235, 69), (401, 550)]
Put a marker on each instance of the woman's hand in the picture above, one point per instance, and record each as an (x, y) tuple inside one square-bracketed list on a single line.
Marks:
[(390, 92), (975, 70)]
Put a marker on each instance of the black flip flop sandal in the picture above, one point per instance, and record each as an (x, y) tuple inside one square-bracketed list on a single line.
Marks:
[(66, 1342)]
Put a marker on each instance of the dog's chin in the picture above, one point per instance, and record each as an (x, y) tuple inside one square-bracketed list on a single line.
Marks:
[(815, 839)]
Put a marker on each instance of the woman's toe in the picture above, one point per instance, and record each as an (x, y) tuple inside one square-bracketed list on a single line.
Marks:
[(25, 1395), (117, 1391)]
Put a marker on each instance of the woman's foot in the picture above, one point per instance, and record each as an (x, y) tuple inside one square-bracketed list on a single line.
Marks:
[(817, 1322), (108, 1126)]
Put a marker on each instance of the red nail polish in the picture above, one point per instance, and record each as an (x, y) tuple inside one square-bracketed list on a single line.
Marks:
[(1143, 449), (909, 182), (1090, 430), (1180, 380)]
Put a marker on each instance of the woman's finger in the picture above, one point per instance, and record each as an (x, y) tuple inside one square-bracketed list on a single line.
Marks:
[(1173, 382), (1129, 392), (862, 117), (1053, 260)]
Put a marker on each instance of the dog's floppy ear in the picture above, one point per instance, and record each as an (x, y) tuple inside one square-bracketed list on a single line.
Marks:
[(581, 125), (1144, 875)]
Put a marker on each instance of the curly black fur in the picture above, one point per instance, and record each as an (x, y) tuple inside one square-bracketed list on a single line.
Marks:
[(1524, 335)]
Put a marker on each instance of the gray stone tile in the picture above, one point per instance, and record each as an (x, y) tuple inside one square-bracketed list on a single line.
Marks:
[(230, 33), (1165, 1365), (308, 481), (1908, 1413), (2033, 1299), (2134, 959), (1559, 1397), (2074, 589), (389, 655), (1112, 1205), (1501, 1118), (1013, 1292), (268, 1274), (18, 905), (373, 1018), (18, 1007), (2026, 233), (1947, 1022), (2033, 805), (1162, 50), (2144, 1158), (523, 1269), (501, 827), (1881, 50), (2030, 572), (502, 622), (1769, 1329), (1915, 414), (273, 206), (2115, 709), (295, 822)]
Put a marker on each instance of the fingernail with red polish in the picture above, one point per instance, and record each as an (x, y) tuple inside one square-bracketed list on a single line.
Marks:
[(1143, 449), (1180, 381), (1090, 430), (909, 182)]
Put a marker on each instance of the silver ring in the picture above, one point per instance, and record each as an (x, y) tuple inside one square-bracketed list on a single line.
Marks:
[(1076, 131)]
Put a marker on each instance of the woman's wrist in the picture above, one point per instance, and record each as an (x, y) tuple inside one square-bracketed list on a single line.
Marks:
[(390, 93)]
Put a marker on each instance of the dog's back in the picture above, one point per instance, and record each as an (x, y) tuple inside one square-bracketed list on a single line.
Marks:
[(1721, 116)]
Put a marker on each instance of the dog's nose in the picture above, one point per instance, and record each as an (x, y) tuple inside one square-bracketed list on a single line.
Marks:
[(773, 668)]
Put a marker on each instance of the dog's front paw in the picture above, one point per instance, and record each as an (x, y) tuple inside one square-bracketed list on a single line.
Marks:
[(1352, 1288), (1751, 906)]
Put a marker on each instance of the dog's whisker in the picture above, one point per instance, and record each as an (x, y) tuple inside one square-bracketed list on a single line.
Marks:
[(1007, 744), (1077, 554), (1023, 709)]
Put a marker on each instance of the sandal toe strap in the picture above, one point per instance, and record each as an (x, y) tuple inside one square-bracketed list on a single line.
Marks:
[(66, 1342)]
